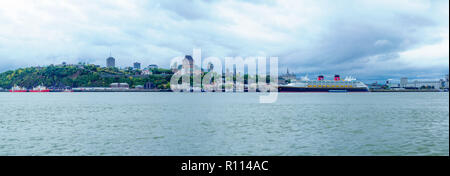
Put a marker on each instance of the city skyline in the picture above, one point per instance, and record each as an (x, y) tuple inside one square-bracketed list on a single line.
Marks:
[(366, 39)]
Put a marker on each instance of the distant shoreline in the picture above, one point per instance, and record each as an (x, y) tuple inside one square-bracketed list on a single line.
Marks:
[(150, 90)]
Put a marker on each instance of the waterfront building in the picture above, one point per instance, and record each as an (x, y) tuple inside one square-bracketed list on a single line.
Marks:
[(446, 82), (137, 65), (120, 85), (403, 82), (417, 84), (149, 85), (391, 84), (110, 62), (420, 84), (376, 86)]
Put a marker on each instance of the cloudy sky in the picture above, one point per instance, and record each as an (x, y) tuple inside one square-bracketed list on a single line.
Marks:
[(369, 39)]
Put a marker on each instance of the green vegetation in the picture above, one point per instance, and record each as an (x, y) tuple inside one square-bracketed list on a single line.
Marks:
[(82, 75), (87, 75)]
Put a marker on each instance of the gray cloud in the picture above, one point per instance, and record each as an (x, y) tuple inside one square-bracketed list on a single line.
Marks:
[(367, 39)]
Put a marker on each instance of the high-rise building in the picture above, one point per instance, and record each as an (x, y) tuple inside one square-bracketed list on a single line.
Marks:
[(110, 62), (446, 82), (403, 82), (210, 67), (137, 65), (188, 60)]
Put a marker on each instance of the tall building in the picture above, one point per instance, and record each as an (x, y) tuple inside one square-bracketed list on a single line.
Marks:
[(189, 60), (289, 76), (210, 67), (403, 82), (137, 65), (446, 81), (110, 62)]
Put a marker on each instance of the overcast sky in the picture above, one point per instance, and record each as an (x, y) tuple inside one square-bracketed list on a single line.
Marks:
[(368, 39)]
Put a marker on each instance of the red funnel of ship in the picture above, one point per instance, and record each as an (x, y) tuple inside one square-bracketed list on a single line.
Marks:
[(337, 78), (320, 78)]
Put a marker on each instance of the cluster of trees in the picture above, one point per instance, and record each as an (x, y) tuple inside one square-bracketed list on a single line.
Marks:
[(85, 75)]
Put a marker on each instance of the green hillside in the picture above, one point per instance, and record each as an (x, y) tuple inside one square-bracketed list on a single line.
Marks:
[(82, 75)]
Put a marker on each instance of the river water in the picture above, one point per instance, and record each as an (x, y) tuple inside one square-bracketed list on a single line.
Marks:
[(224, 124)]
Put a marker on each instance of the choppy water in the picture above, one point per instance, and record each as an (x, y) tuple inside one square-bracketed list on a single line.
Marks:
[(224, 124)]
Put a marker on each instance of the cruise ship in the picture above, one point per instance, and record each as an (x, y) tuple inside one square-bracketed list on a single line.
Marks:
[(348, 84)]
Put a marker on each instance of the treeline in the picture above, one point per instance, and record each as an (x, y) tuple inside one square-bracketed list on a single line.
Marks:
[(86, 75)]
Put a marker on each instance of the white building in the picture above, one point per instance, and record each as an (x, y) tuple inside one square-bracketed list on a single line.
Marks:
[(403, 82), (435, 84), (146, 72), (120, 85), (152, 66)]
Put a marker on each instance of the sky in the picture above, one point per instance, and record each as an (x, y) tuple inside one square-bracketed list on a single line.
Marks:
[(367, 39)]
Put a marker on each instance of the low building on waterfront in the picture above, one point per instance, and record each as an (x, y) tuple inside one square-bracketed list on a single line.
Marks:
[(405, 83), (422, 84), (427, 84), (119, 85), (91, 89), (376, 86)]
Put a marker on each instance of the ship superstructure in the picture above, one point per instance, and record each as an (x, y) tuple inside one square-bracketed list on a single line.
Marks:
[(40, 89), (18, 89)]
